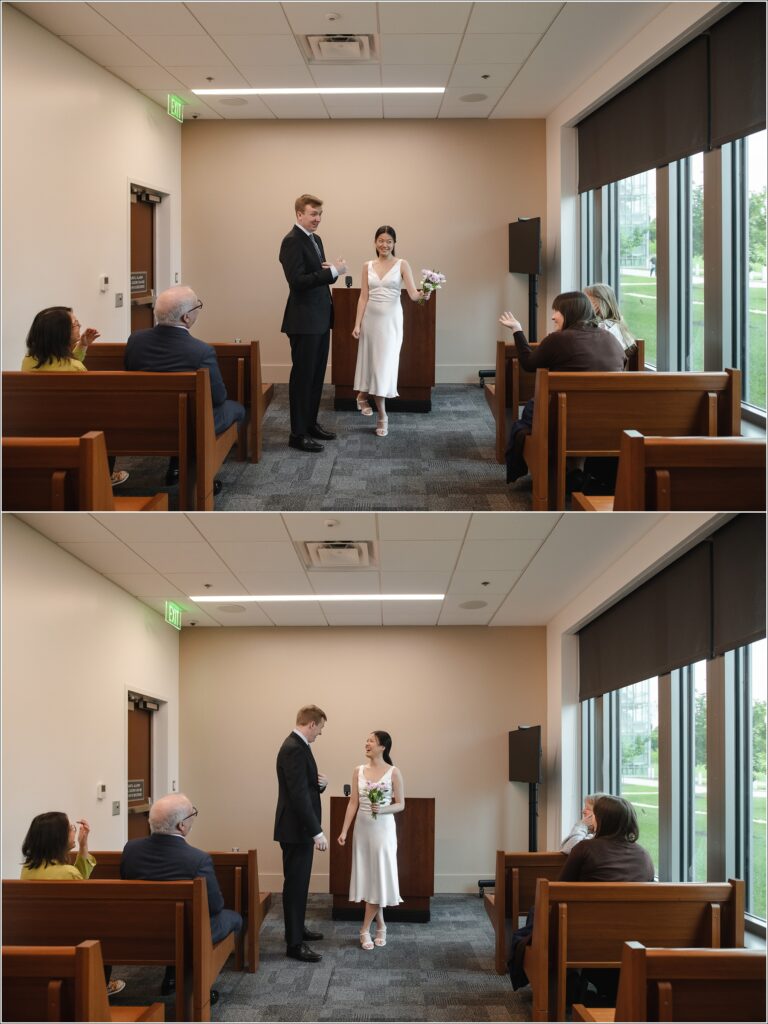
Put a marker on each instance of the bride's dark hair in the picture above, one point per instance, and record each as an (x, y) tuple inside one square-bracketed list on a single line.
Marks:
[(385, 229), (383, 737)]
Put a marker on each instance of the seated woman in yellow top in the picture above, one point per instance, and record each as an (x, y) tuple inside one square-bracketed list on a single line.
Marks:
[(46, 850), (54, 343)]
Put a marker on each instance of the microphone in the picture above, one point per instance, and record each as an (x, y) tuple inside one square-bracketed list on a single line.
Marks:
[(347, 790), (348, 280)]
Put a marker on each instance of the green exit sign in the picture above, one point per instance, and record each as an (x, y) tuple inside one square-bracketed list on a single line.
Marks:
[(173, 614), (176, 107)]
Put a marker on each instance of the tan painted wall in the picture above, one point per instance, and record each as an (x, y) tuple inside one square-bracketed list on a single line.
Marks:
[(447, 696), (449, 188)]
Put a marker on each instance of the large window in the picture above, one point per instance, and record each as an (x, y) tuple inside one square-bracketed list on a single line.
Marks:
[(636, 200), (694, 357), (752, 680), (639, 745), (696, 798), (754, 372)]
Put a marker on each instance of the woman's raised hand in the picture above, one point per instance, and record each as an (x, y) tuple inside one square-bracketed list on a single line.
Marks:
[(510, 320), (82, 835), (89, 335)]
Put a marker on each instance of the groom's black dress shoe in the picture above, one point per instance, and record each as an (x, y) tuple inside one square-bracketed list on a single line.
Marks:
[(303, 443), (309, 936), (321, 433), (303, 952)]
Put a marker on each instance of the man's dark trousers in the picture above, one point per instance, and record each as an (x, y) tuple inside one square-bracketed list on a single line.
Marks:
[(309, 356), (297, 869)]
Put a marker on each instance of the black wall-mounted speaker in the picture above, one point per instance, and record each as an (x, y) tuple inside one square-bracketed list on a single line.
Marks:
[(525, 246)]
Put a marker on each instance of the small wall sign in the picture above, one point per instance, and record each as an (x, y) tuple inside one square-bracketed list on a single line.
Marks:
[(138, 281), (135, 789)]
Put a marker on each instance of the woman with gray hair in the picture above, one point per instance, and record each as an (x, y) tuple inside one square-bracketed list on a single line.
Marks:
[(585, 828), (608, 314)]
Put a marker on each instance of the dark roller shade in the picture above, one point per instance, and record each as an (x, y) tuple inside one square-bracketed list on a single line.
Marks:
[(662, 625), (661, 117), (737, 74), (739, 575)]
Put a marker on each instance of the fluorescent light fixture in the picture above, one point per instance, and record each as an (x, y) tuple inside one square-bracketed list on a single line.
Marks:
[(266, 598), (322, 91)]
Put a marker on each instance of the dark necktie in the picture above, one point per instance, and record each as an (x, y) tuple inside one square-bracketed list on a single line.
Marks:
[(317, 248)]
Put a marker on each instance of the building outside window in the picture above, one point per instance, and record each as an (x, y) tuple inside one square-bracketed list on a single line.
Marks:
[(639, 745), (756, 257), (636, 290)]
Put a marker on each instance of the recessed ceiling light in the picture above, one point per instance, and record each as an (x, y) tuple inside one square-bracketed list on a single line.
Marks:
[(471, 97), (233, 101), (231, 609), (327, 91), (473, 605), (265, 598)]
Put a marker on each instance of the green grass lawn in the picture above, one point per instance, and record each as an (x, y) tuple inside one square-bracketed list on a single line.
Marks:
[(644, 797), (638, 304)]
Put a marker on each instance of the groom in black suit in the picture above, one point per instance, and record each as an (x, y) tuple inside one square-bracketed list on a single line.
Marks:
[(298, 828), (307, 321)]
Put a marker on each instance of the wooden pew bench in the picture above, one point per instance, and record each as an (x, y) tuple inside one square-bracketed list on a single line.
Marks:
[(238, 878), (584, 414), (140, 414), (155, 923), (513, 386), (59, 983), (685, 985), (240, 366), (585, 924), (684, 474), (514, 893), (61, 474)]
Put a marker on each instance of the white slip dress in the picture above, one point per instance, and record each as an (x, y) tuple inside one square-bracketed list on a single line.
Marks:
[(381, 334), (374, 849)]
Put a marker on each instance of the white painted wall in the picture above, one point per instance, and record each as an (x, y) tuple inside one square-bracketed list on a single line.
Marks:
[(74, 137), (73, 645), (677, 23)]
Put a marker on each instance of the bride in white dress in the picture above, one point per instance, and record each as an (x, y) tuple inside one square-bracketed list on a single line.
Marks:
[(379, 325), (374, 841)]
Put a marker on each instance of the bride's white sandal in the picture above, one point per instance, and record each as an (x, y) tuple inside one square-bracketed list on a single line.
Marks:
[(382, 426), (363, 406), (365, 940), (381, 936)]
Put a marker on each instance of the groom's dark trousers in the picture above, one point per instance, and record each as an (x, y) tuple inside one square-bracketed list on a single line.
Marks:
[(297, 821), (307, 321)]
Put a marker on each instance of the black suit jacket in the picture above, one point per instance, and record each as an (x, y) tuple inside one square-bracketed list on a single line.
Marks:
[(166, 349), (165, 858), (309, 309), (297, 819)]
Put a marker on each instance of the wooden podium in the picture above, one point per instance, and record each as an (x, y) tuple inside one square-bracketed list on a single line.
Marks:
[(417, 356), (415, 862)]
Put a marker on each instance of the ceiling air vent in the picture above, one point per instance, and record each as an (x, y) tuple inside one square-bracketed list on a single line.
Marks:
[(338, 49), (339, 554)]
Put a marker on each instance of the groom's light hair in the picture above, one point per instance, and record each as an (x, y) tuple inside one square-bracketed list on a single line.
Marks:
[(310, 713), (306, 200)]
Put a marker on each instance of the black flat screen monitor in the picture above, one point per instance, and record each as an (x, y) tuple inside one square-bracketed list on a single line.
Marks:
[(525, 246), (525, 754)]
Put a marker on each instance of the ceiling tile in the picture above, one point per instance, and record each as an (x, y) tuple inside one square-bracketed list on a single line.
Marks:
[(66, 526), (150, 19), (106, 557), (416, 107), (454, 104), (513, 17), (249, 527), (404, 18), (274, 582), (297, 107), (414, 582), (331, 526), (68, 19), (477, 582), (236, 19), (206, 583), (496, 49), (454, 615), (303, 613), (470, 76), (419, 49), (147, 584), (354, 108), (512, 525), (357, 582), (263, 556), (148, 526), (147, 78), (352, 613), (423, 525), (411, 613), (180, 557), (240, 107), (238, 615), (310, 18), (367, 76), (498, 555), (179, 51), (412, 74), (255, 50), (397, 555), (111, 51), (224, 77), (296, 76)]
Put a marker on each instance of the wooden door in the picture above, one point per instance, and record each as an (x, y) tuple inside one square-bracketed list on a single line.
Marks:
[(139, 770), (142, 262)]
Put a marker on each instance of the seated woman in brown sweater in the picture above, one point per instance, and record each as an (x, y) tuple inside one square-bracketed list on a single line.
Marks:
[(577, 344)]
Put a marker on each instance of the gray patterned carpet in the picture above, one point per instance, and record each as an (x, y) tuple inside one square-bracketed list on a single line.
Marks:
[(438, 461), (440, 971)]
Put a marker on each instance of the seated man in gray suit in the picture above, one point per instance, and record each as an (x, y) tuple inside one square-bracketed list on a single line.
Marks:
[(166, 856), (169, 347)]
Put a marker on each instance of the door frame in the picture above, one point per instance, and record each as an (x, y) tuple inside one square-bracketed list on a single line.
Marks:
[(161, 768), (163, 248)]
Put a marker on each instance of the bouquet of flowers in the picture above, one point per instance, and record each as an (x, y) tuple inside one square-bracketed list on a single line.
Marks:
[(376, 795), (431, 280)]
